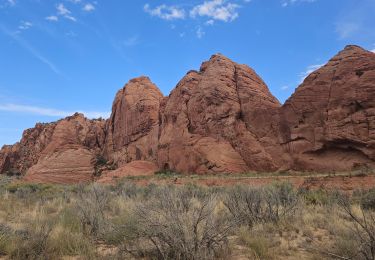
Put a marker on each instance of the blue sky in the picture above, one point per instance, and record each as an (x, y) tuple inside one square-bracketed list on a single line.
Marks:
[(58, 57)]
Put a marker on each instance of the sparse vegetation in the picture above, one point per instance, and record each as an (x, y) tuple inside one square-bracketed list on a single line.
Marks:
[(126, 221)]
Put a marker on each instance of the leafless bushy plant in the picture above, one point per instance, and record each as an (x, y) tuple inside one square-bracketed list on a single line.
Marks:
[(182, 224), (362, 228), (91, 204), (249, 206)]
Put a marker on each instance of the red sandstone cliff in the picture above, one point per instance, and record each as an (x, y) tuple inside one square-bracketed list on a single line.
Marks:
[(220, 119)]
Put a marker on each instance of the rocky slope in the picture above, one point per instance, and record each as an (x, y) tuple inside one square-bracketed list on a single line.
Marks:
[(220, 119), (329, 122)]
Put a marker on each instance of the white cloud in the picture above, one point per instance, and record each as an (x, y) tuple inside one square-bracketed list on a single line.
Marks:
[(210, 22), (216, 10), (25, 25), (286, 87), (373, 50), (65, 12), (165, 12), (11, 2), (310, 69), (62, 10), (88, 8), (286, 3), (52, 18), (35, 110), (206, 13)]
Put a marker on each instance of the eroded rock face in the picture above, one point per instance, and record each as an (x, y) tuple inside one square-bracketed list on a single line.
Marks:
[(209, 122), (53, 148), (133, 128), (73, 164), (329, 122)]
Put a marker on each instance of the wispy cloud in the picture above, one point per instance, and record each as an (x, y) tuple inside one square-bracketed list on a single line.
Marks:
[(88, 7), (165, 12), (52, 18), (216, 10), (200, 33), (285, 87), (65, 12), (286, 3), (50, 112), (25, 25), (310, 69), (206, 13), (24, 44), (373, 50)]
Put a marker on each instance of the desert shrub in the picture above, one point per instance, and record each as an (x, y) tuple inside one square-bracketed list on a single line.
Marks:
[(34, 242), (29, 187), (249, 206), (91, 204), (13, 172), (5, 239), (100, 160), (126, 189), (362, 228), (66, 243), (320, 197), (180, 224), (367, 200)]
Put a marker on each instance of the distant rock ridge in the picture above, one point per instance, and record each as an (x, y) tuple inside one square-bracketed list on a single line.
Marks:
[(220, 119)]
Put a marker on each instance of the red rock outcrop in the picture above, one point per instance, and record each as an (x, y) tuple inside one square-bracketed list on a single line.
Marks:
[(220, 119), (73, 164), (133, 128), (63, 150), (329, 122), (209, 122), (134, 168)]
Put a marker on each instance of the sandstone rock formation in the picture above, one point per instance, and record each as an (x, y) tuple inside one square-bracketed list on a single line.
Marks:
[(207, 122), (134, 168), (329, 122), (64, 150), (133, 128), (220, 119)]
